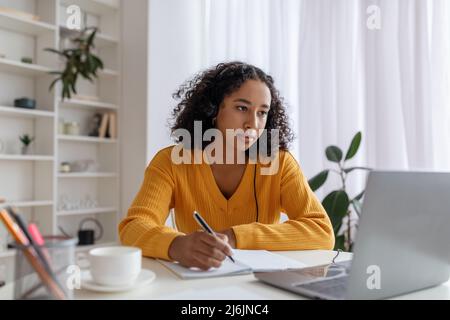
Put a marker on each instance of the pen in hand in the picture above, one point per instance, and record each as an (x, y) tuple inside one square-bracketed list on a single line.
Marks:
[(206, 227)]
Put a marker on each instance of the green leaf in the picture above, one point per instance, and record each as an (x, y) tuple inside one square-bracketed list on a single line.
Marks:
[(75, 78), (53, 83), (360, 195), (79, 62), (90, 63), (336, 228), (66, 91), (347, 170), (334, 154), (89, 78), (358, 206), (354, 146), (317, 181), (99, 62), (85, 75), (91, 38), (26, 139), (61, 53), (336, 205), (339, 243), (72, 86)]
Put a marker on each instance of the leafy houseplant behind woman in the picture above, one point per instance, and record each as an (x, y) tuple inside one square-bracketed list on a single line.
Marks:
[(337, 203), (79, 61)]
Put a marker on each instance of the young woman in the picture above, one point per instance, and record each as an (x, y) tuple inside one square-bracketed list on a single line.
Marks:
[(236, 199)]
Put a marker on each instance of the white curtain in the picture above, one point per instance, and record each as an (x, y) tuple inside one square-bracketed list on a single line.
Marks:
[(337, 75), (407, 70)]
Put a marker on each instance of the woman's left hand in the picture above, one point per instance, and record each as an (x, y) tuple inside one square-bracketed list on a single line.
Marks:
[(231, 238)]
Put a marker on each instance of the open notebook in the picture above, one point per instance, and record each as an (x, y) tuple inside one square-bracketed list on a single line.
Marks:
[(247, 261)]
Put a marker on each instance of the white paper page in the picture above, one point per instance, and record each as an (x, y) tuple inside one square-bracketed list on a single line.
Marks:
[(262, 260), (227, 268)]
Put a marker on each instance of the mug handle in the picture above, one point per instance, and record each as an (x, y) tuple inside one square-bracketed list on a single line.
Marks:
[(98, 224)]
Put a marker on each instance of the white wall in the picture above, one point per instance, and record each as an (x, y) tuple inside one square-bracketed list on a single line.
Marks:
[(175, 55), (148, 84), (134, 98)]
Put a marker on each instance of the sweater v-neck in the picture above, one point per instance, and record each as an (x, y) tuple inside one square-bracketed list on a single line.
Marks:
[(217, 193)]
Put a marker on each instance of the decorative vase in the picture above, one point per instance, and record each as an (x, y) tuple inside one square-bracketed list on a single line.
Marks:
[(72, 128), (25, 150)]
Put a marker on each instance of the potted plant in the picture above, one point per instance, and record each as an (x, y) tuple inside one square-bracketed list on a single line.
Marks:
[(79, 61), (338, 203), (26, 141)]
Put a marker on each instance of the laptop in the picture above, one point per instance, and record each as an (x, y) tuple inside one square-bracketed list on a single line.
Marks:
[(402, 243)]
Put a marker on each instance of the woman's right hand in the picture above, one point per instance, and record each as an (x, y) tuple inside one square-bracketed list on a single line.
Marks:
[(200, 249)]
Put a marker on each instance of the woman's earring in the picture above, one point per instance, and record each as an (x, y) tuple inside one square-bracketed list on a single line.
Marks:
[(214, 121)]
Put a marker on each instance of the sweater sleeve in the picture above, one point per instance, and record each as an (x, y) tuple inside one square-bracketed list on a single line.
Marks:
[(144, 226), (308, 227)]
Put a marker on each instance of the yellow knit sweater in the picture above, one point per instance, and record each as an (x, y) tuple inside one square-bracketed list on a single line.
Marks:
[(189, 187)]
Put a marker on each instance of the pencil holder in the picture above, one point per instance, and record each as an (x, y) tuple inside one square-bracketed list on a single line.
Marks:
[(45, 272)]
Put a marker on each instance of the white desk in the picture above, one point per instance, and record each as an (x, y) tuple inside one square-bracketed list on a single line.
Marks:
[(167, 286)]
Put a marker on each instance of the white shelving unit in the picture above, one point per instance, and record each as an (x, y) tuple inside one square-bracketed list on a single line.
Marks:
[(20, 68), (11, 111), (74, 103), (87, 211), (18, 24), (86, 139), (34, 183), (18, 157), (102, 40), (88, 175)]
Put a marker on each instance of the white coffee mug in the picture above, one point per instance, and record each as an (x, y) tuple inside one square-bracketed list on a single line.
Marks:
[(115, 266)]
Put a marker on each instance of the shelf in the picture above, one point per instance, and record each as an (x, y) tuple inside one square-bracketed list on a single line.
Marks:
[(15, 157), (74, 103), (22, 112), (85, 139), (37, 195), (28, 204), (87, 211), (27, 69), (26, 26), (88, 175), (108, 73), (98, 7), (101, 73), (104, 40), (101, 40)]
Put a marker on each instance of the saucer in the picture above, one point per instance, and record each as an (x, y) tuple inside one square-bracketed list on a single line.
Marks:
[(145, 277)]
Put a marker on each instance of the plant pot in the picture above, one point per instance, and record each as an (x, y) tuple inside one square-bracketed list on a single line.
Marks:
[(26, 150)]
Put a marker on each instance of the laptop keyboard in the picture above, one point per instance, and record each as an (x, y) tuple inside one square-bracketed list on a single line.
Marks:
[(334, 287)]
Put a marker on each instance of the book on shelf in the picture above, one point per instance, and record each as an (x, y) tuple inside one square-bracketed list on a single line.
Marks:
[(103, 126), (112, 126), (108, 126)]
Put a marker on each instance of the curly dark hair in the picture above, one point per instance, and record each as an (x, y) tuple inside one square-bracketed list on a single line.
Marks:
[(202, 95)]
